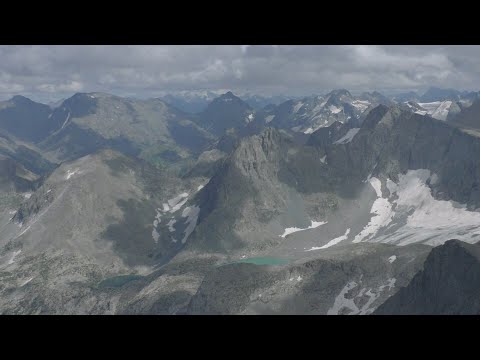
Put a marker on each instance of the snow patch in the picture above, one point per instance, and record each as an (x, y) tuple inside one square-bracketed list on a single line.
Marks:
[(437, 109), (361, 105), (442, 111), (191, 213), (70, 173), (172, 206), (392, 258), (66, 120), (14, 255), (390, 284), (26, 282), (348, 136), (297, 107), (323, 159), (424, 219), (421, 112), (292, 230), (334, 110), (170, 225), (391, 186), (177, 199), (27, 195), (431, 221), (156, 222), (25, 230), (269, 118), (178, 206), (155, 235), (377, 186), (381, 210), (332, 242), (342, 302)]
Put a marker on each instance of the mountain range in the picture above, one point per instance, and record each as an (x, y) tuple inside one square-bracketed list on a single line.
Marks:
[(327, 204)]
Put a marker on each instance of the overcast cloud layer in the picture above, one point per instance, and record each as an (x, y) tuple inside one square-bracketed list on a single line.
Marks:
[(47, 73)]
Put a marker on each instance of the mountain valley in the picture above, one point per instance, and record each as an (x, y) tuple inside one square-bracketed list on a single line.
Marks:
[(329, 204)]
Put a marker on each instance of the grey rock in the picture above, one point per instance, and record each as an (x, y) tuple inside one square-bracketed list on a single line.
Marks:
[(447, 285)]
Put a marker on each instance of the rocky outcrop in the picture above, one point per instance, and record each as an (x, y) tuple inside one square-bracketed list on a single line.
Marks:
[(244, 193), (391, 141), (447, 285)]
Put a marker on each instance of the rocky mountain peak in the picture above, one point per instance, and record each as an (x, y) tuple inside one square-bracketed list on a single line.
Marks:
[(375, 116), (21, 100), (229, 97), (259, 150), (340, 92), (448, 284), (225, 112)]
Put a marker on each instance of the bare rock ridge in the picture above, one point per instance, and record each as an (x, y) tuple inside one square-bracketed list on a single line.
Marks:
[(243, 193), (267, 174), (447, 285)]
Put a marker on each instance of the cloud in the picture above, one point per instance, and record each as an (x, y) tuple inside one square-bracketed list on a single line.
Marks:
[(51, 72), (72, 86)]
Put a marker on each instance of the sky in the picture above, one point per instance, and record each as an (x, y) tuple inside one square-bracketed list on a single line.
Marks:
[(48, 73)]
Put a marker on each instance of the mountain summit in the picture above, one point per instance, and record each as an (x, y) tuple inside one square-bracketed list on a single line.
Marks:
[(225, 112)]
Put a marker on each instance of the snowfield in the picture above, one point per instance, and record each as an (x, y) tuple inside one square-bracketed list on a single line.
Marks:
[(404, 213), (292, 230), (428, 220), (438, 109)]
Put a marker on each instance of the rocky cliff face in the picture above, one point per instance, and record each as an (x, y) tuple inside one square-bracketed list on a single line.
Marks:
[(243, 194), (391, 141), (447, 285), (269, 181)]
